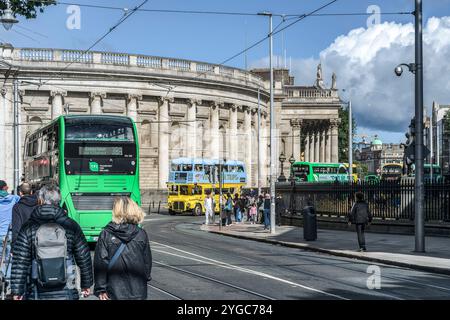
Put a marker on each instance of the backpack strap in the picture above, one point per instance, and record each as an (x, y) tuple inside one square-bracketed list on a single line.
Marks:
[(116, 255)]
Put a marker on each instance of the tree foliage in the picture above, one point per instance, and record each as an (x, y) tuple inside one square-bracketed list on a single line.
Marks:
[(343, 134), (27, 9)]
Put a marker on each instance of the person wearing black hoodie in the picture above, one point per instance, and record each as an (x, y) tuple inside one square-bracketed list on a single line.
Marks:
[(22, 210), (123, 259), (49, 211)]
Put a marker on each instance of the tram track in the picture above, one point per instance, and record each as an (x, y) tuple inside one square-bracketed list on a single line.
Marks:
[(210, 279), (165, 292)]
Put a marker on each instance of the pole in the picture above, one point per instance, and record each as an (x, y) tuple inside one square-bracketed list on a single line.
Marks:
[(431, 148), (350, 142), (419, 187), (272, 137), (220, 194), (259, 142), (16, 134)]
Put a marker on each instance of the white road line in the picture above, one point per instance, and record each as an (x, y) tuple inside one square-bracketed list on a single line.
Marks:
[(217, 281), (233, 267)]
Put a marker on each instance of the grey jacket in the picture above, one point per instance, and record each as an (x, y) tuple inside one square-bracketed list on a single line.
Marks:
[(360, 213)]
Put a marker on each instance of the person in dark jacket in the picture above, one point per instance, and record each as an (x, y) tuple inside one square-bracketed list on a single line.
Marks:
[(22, 210), (125, 278), (78, 253), (267, 212), (360, 216)]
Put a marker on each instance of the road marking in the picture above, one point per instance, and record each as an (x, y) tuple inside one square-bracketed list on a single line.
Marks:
[(217, 281), (245, 270), (164, 291)]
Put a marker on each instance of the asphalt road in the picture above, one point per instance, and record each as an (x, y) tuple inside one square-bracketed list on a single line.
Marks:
[(192, 264)]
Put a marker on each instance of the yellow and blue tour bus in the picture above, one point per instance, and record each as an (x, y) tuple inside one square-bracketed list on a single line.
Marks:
[(92, 159), (304, 171), (191, 179)]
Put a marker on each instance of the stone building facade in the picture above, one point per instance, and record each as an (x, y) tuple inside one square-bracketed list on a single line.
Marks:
[(182, 108)]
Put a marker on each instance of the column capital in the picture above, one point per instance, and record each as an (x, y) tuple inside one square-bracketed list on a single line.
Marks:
[(94, 94), (62, 93), (216, 104), (296, 123), (234, 107), (131, 96), (335, 122), (192, 101), (246, 109), (162, 99)]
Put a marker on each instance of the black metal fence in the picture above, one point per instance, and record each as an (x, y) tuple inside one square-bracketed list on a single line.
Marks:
[(388, 200)]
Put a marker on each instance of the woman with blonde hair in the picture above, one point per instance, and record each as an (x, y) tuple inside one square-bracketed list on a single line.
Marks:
[(123, 260)]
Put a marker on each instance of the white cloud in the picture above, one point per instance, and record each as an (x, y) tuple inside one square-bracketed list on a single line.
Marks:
[(364, 61)]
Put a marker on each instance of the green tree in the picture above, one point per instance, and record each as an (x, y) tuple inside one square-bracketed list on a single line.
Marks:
[(343, 134), (27, 9)]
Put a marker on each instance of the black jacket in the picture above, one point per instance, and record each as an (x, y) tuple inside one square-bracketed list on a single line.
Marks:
[(360, 213), (127, 279), (77, 250), (21, 212)]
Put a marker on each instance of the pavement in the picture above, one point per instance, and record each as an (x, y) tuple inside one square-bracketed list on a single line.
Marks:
[(391, 249)]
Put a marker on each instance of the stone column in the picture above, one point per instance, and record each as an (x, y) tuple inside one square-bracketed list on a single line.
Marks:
[(312, 144), (192, 128), (96, 102), (164, 140), (57, 103), (265, 140), (322, 145), (132, 103), (214, 145), (307, 146), (248, 143), (233, 138), (317, 146), (334, 140), (295, 132), (328, 147)]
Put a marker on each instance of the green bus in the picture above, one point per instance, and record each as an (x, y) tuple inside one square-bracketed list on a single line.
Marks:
[(92, 159), (319, 172), (432, 176)]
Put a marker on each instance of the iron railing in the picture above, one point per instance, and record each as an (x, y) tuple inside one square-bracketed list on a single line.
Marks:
[(388, 200)]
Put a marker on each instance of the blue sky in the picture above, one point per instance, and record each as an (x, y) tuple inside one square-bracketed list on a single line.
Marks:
[(214, 38)]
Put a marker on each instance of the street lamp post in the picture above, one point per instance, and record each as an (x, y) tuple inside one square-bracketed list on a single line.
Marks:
[(417, 69), (282, 159), (8, 19), (272, 130)]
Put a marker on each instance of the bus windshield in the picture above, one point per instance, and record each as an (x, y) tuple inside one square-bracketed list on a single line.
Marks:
[(94, 129)]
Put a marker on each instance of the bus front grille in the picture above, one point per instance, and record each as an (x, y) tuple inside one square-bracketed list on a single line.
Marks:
[(178, 206), (93, 202)]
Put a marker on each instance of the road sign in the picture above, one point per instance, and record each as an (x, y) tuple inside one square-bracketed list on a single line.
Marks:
[(410, 152)]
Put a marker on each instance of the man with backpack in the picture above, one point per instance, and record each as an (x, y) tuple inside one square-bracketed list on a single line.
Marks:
[(47, 250)]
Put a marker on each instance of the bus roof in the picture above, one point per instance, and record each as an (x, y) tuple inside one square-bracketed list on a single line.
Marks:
[(205, 161), (318, 164)]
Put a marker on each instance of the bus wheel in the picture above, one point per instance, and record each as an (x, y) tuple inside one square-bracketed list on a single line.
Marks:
[(198, 210), (171, 212)]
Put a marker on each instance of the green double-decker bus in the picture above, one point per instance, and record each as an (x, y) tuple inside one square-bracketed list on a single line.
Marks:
[(92, 158), (319, 172)]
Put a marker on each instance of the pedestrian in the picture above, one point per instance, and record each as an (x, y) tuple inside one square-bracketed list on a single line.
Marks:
[(22, 210), (280, 209), (229, 209), (223, 214), (237, 208), (243, 206), (7, 202), (208, 205), (47, 250), (267, 212), (123, 259), (360, 216), (253, 212), (260, 209)]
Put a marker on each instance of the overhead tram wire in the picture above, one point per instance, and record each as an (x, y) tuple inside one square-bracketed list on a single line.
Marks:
[(123, 19), (266, 37)]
